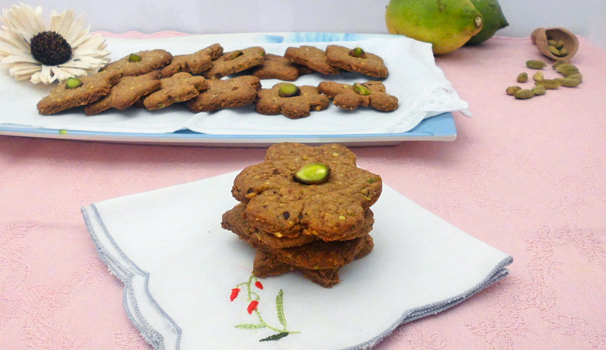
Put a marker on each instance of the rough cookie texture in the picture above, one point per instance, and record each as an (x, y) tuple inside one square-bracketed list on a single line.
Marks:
[(126, 92), (150, 61), (236, 61), (345, 97), (278, 204), (317, 255), (195, 63), (180, 87), (368, 63), (230, 93), (265, 265), (311, 57), (278, 67), (92, 89), (309, 99)]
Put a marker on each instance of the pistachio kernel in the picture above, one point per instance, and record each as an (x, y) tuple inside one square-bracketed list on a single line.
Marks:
[(512, 90), (361, 89), (358, 52), (522, 77), (535, 64), (552, 42), (549, 84), (289, 90), (524, 94), (538, 76), (559, 44), (559, 62), (73, 83), (539, 90), (563, 52), (133, 57), (554, 51), (569, 82), (230, 56), (313, 174)]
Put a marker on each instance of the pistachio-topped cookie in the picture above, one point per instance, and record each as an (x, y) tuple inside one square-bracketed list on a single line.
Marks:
[(279, 204)]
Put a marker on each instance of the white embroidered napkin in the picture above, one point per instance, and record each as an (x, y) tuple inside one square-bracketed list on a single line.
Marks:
[(421, 87), (180, 270)]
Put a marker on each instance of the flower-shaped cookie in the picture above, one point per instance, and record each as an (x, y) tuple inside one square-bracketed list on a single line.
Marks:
[(350, 97), (295, 105), (279, 204)]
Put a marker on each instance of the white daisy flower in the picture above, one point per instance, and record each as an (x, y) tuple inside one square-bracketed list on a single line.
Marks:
[(31, 50)]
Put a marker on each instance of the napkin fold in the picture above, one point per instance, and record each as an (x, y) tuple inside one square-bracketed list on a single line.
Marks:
[(179, 269)]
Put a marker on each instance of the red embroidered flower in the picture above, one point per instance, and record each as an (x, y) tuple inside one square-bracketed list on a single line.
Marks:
[(252, 306), (234, 294), (258, 285)]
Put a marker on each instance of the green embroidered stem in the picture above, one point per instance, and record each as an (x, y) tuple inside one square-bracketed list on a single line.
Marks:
[(253, 297)]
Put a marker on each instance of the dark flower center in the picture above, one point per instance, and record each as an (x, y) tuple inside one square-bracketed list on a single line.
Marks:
[(50, 48)]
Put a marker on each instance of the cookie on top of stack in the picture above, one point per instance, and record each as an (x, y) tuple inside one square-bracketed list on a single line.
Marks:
[(305, 209)]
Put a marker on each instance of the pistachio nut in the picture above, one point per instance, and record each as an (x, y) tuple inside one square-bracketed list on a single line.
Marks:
[(567, 69), (73, 83), (577, 76), (524, 94), (358, 52), (563, 52), (555, 51), (522, 77), (549, 84), (360, 89), (538, 90), (538, 76), (559, 44), (536, 64), (289, 90), (569, 82), (133, 57), (313, 174), (559, 62), (552, 42), (512, 90)]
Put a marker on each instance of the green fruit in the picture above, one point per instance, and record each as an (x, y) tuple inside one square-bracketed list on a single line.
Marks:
[(447, 24), (493, 20)]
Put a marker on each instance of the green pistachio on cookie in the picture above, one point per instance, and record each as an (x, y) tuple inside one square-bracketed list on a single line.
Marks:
[(289, 90), (73, 83), (133, 57), (358, 52), (360, 89), (230, 56), (313, 174)]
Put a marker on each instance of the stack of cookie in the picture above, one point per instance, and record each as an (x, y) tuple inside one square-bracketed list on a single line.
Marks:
[(305, 209)]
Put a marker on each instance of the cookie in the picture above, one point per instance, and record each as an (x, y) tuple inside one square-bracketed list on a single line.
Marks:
[(230, 93), (180, 87), (277, 203), (265, 265), (356, 60), (140, 63), (311, 57), (236, 61), (365, 94), (126, 92), (296, 103), (195, 63), (92, 89), (315, 255), (278, 67), (294, 239)]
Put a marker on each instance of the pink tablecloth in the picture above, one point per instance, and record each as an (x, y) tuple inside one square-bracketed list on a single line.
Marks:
[(527, 177)]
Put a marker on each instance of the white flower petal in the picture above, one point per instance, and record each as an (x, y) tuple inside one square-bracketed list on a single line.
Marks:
[(13, 38), (35, 79), (61, 23), (24, 68), (18, 59), (77, 31)]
